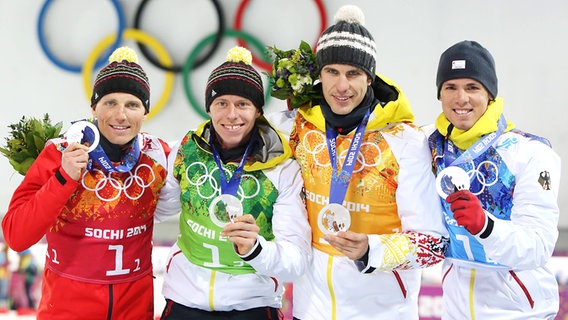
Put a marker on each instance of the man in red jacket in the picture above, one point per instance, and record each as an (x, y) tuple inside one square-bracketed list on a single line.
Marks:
[(95, 204)]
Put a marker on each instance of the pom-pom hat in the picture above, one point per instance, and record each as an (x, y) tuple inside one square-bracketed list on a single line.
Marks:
[(348, 42), (235, 76), (467, 59), (122, 74)]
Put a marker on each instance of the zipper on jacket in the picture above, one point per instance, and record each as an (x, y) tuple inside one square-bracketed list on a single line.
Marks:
[(110, 305), (523, 287)]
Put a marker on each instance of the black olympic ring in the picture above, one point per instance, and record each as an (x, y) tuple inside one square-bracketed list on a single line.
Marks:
[(193, 60), (178, 68)]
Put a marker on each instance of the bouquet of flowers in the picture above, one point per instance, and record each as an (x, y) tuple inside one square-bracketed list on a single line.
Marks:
[(26, 140), (293, 75)]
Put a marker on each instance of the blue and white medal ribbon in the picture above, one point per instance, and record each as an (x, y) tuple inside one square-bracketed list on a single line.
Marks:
[(224, 208), (453, 178), (334, 216)]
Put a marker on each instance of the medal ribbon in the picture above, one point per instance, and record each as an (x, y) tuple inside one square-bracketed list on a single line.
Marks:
[(339, 183), (128, 161), (478, 148), (232, 186)]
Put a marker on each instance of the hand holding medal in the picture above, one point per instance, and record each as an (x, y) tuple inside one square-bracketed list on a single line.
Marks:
[(82, 137)]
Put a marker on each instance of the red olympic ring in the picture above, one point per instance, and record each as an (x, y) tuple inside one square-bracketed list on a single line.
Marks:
[(258, 61)]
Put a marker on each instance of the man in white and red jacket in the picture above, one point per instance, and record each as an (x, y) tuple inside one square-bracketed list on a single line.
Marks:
[(95, 205)]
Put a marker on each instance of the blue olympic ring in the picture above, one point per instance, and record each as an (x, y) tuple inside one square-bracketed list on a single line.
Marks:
[(73, 68)]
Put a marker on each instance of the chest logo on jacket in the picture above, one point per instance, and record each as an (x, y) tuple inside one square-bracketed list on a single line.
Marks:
[(110, 185), (208, 187), (314, 142)]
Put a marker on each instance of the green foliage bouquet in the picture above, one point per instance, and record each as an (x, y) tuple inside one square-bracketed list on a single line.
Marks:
[(26, 140), (293, 75)]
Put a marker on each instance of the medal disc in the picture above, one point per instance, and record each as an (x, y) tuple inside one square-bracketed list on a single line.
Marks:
[(334, 217), (83, 132), (224, 209), (450, 180)]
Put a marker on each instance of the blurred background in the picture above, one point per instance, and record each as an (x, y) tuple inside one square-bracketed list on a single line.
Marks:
[(49, 49)]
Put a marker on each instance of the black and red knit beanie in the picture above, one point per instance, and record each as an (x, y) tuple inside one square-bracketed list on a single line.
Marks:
[(122, 74), (235, 76)]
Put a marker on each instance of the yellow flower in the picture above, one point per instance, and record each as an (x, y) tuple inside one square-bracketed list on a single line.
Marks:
[(239, 54), (123, 53)]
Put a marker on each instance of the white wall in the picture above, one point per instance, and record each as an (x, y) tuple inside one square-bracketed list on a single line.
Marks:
[(528, 39)]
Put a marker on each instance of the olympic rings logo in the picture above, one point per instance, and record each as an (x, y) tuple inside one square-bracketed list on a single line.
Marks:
[(97, 58), (318, 148), (133, 186), (486, 174), (214, 188)]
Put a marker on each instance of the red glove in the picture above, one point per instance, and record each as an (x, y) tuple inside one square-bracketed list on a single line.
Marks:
[(467, 210)]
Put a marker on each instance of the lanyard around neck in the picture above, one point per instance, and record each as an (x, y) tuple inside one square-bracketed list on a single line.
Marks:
[(478, 148), (231, 187), (128, 160), (340, 182)]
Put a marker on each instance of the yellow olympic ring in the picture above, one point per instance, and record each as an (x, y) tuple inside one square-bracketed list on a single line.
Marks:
[(141, 37)]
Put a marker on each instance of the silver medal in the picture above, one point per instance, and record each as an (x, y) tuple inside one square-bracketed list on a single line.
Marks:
[(334, 217), (224, 208), (450, 180), (81, 130)]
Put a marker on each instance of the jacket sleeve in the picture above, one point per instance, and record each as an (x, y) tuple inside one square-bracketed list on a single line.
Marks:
[(38, 200), (421, 242), (290, 253), (169, 204), (527, 240)]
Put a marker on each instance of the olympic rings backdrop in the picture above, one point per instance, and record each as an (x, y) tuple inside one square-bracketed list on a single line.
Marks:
[(53, 49), (160, 58)]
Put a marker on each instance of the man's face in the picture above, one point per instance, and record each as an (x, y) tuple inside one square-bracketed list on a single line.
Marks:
[(344, 86), (464, 101), (233, 118), (120, 116)]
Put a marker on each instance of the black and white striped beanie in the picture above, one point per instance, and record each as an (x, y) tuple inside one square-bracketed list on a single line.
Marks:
[(235, 76), (348, 42)]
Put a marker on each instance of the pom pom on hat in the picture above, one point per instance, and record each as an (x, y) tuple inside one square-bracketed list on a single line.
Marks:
[(239, 54), (348, 42), (122, 74), (235, 76), (350, 14), (123, 53)]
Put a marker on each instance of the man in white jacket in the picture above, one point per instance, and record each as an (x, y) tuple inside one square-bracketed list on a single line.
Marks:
[(499, 189), (370, 192)]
